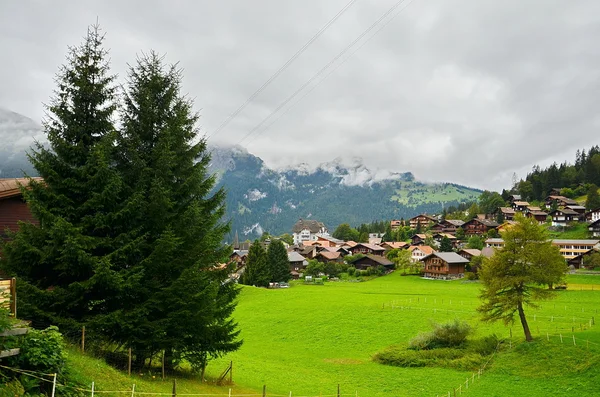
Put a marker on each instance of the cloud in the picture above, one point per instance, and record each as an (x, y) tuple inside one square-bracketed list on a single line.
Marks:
[(467, 91)]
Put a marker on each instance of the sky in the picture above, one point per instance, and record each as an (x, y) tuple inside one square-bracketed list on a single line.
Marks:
[(464, 91)]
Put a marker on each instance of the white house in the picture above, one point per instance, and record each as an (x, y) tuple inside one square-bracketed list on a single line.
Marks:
[(308, 230)]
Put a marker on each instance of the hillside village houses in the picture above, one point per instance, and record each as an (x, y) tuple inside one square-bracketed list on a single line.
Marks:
[(308, 230)]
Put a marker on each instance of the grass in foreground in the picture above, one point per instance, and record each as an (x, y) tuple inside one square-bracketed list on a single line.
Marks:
[(308, 339)]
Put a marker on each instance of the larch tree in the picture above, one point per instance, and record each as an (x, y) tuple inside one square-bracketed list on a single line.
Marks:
[(175, 294), (520, 273), (278, 262), (64, 262)]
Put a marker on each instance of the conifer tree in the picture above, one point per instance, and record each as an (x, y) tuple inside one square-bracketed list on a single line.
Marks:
[(278, 261), (446, 245), (593, 199), (63, 264), (175, 295), (257, 271)]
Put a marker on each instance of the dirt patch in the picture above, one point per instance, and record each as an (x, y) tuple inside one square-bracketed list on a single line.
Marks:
[(343, 361)]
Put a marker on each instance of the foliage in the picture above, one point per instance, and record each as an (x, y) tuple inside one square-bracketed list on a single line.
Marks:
[(287, 238), (489, 202), (314, 268), (475, 242), (41, 351), (515, 276), (349, 259), (460, 233), (257, 269), (593, 198), (446, 245), (492, 233), (450, 334), (278, 262)]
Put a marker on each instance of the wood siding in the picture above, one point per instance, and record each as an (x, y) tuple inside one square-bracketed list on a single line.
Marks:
[(13, 210)]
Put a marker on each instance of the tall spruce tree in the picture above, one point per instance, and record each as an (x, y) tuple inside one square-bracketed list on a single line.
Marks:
[(175, 296), (257, 270), (63, 263), (279, 264)]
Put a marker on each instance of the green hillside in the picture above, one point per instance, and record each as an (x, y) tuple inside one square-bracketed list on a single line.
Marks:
[(413, 194)]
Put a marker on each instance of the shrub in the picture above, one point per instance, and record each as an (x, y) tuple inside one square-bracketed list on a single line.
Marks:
[(484, 346), (42, 351), (443, 335), (351, 270), (470, 276)]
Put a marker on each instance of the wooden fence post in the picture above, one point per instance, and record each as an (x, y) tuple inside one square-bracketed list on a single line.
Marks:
[(174, 387), (13, 292), (163, 366), (129, 363), (133, 390), (83, 339), (338, 394), (264, 390), (231, 372)]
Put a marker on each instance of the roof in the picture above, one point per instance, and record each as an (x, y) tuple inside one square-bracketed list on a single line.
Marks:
[(516, 196), (375, 258), (577, 207), (494, 240), (540, 213), (471, 251), (507, 210), (534, 208), (565, 211), (564, 199), (486, 222), (329, 255), (350, 243), (419, 235), (309, 224), (375, 240), (11, 187), (395, 244), (521, 203), (424, 215), (449, 257), (427, 250), (450, 236), (295, 257), (329, 238), (455, 222), (575, 242), (371, 246)]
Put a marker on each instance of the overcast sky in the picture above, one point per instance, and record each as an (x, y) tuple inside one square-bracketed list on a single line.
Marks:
[(466, 91)]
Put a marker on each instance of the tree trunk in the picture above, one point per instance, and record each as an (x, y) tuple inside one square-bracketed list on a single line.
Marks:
[(528, 336)]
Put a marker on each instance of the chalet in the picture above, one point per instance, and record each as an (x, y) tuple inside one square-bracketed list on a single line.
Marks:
[(505, 226), (539, 216), (375, 240), (561, 217), (520, 206), (532, 208), (437, 228), (560, 201), (239, 257), (390, 245), (308, 230), (555, 191), (572, 248), (328, 256), (514, 197), (419, 252), (494, 243), (594, 228), (580, 209), (507, 213), (447, 226), (422, 221), (438, 237), (329, 241), (13, 207), (593, 215), (580, 261), (478, 226), (372, 261), (395, 224), (469, 253), (297, 264), (367, 249), (418, 239), (444, 265)]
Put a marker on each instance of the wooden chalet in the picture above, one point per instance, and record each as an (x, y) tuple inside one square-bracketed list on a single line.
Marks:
[(593, 215), (520, 206), (423, 221), (297, 264), (562, 217), (514, 197), (507, 212), (367, 249), (390, 245), (395, 224), (479, 226), (328, 256), (444, 265), (418, 239), (594, 228), (447, 226), (580, 261), (539, 216), (239, 257), (438, 237), (560, 201), (580, 209), (372, 261), (419, 252), (469, 253), (497, 243), (13, 207)]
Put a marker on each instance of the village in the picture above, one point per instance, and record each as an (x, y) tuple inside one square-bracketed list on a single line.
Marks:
[(313, 241)]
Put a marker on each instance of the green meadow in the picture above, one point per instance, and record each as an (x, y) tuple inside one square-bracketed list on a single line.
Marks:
[(309, 338)]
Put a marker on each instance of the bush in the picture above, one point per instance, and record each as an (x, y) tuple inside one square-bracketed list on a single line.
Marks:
[(471, 276), (351, 270), (41, 351), (451, 334)]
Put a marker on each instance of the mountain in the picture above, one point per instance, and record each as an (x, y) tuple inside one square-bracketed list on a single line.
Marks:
[(261, 199)]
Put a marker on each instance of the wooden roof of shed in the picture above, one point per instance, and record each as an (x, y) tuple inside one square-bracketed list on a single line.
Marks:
[(11, 187)]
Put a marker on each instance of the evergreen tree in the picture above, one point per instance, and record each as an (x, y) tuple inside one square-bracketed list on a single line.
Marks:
[(460, 233), (279, 264), (257, 271), (174, 294), (446, 245), (64, 263), (593, 199)]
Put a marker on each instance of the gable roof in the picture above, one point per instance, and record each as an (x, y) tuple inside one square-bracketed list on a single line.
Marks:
[(423, 215), (376, 258), (471, 251), (521, 203), (427, 250), (295, 257), (309, 224), (507, 210), (565, 211), (449, 257), (422, 236), (395, 244), (486, 222), (11, 187), (372, 247), (455, 222), (329, 255)]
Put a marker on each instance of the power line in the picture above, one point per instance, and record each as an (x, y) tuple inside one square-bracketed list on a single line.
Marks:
[(323, 69), (330, 73), (282, 68)]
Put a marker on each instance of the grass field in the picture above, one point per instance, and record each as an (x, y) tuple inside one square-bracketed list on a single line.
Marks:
[(414, 193), (308, 339)]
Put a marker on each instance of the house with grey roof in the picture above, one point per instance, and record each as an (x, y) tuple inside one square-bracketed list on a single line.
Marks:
[(444, 265)]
